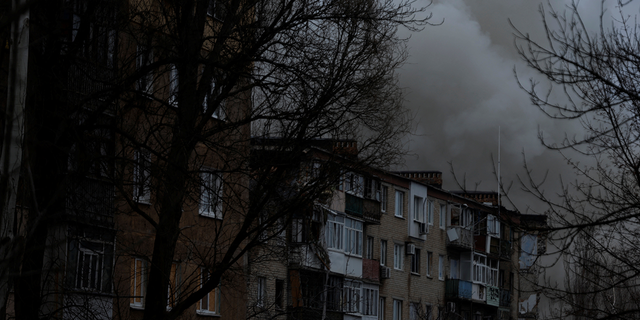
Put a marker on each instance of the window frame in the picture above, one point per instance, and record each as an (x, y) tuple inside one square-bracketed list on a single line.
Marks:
[(144, 58), (430, 211), (429, 262), (398, 256), (441, 267), (370, 247), (351, 293), (397, 309), (399, 204), (261, 292), (142, 176), (139, 277), (204, 274), (211, 185), (442, 216), (369, 299), (384, 199), (415, 262)]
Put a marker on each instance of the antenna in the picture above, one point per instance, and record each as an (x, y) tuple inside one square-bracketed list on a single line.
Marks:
[(498, 171)]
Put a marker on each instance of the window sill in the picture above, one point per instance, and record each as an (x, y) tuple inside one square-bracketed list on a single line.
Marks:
[(429, 277), (207, 313), (415, 274), (209, 215), (400, 217), (136, 307)]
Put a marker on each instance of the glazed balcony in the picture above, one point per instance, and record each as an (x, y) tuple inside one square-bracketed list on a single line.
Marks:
[(371, 212), (354, 205), (493, 296), (460, 289)]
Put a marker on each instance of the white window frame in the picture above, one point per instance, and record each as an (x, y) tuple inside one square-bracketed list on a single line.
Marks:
[(94, 271), (353, 236), (381, 308), (480, 269), (351, 293), (442, 216), (334, 233), (397, 309), (370, 242), (142, 176), (204, 305), (441, 267), (418, 209), (261, 294), (399, 204), (211, 194), (383, 252), (398, 256)]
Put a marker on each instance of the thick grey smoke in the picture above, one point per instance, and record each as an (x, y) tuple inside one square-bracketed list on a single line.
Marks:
[(461, 88)]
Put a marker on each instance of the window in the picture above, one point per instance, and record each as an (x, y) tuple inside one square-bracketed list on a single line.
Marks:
[(353, 236), (173, 86), (429, 259), (261, 295), (369, 247), (139, 275), (209, 304), (144, 57), (397, 309), (453, 269), (370, 301), (383, 252), (428, 312), (334, 232), (479, 268), (493, 226), (492, 273), (142, 176), (414, 309), (216, 9), (211, 194), (334, 293), (89, 274), (384, 199), (442, 216), (351, 297), (441, 267), (279, 294), (418, 209), (211, 99), (398, 256), (430, 213), (399, 204), (415, 262), (381, 308), (354, 183)]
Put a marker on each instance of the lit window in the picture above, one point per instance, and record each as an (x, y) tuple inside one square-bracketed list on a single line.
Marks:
[(209, 304), (139, 275)]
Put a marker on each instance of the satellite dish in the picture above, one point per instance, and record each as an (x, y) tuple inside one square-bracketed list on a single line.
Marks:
[(452, 234)]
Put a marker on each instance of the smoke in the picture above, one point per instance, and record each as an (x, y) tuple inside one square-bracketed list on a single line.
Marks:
[(461, 88)]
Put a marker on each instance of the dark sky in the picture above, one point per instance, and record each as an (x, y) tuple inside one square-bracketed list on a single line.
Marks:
[(461, 87)]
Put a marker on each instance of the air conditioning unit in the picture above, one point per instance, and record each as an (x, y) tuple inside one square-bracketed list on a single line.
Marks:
[(424, 229), (411, 249), (385, 272)]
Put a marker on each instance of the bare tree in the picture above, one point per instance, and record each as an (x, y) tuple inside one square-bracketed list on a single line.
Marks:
[(593, 76), (160, 99)]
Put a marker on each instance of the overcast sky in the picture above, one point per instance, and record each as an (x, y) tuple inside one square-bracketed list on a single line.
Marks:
[(461, 87)]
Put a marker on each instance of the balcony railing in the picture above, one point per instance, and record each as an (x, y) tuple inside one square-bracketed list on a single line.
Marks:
[(493, 296), (90, 201), (372, 211), (456, 288), (463, 237), (354, 205), (505, 298)]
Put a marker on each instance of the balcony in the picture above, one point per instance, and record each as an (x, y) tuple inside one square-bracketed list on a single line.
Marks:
[(90, 201), (505, 298), (493, 296), (505, 249), (371, 269), (372, 211), (494, 246), (456, 288), (354, 205), (459, 237)]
